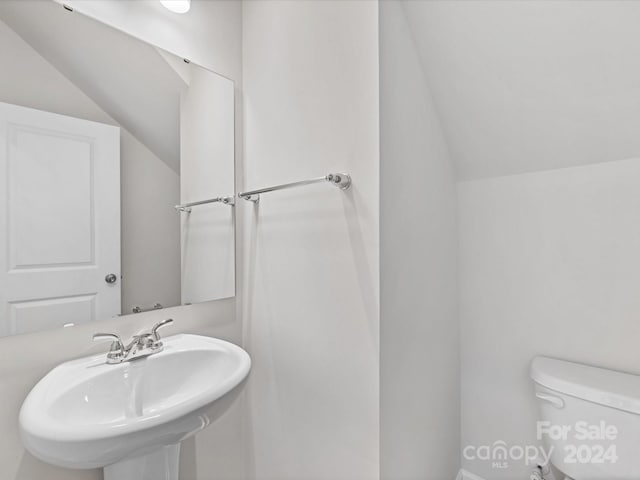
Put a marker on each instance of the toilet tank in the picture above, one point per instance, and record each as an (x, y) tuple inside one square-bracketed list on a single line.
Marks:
[(589, 418)]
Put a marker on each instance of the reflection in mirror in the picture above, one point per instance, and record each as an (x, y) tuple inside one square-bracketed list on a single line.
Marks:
[(101, 136)]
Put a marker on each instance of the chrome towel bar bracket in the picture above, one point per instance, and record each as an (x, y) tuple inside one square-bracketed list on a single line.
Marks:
[(186, 207), (340, 180)]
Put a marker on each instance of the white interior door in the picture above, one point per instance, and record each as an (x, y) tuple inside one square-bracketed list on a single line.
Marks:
[(59, 220)]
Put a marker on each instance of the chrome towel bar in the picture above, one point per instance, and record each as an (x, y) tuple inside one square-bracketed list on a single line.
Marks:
[(340, 180), (186, 207)]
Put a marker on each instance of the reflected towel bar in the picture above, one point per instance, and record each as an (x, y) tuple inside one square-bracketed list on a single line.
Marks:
[(340, 180), (186, 207)]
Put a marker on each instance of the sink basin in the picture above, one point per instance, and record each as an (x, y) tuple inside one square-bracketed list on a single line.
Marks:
[(131, 417)]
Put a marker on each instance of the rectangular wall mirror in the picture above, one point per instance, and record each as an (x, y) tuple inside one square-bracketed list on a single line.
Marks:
[(102, 136)]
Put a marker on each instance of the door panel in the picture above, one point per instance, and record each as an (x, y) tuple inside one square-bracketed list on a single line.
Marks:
[(35, 315), (50, 202)]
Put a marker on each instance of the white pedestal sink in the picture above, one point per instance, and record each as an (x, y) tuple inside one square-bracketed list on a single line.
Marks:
[(131, 417)]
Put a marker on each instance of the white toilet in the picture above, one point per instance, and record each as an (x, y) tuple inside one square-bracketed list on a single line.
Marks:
[(590, 418)]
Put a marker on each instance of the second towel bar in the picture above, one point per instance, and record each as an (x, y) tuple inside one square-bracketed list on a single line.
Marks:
[(340, 180)]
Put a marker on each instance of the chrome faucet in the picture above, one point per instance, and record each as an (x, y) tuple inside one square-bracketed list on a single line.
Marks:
[(141, 345)]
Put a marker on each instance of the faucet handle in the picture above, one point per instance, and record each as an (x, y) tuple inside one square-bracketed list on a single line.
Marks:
[(117, 349), (154, 330)]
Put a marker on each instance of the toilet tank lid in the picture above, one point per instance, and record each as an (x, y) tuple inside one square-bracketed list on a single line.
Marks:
[(599, 385)]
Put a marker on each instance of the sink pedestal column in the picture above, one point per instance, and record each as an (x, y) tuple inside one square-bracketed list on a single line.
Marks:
[(160, 464)]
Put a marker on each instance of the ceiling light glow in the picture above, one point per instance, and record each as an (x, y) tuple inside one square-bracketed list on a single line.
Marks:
[(176, 6)]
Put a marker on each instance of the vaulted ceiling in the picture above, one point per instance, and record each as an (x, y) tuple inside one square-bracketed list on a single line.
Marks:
[(522, 86)]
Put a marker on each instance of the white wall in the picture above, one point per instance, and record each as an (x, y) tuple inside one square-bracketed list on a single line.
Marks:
[(207, 170), (420, 375), (549, 265), (311, 306), (29, 357), (150, 228)]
